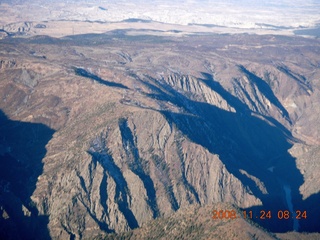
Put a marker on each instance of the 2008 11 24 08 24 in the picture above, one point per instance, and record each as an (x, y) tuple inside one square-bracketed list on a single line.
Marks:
[(264, 214)]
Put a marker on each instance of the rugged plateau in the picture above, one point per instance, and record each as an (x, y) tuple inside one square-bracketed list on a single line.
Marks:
[(102, 133)]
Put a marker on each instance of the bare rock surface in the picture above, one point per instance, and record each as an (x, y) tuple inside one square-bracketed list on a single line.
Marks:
[(134, 128)]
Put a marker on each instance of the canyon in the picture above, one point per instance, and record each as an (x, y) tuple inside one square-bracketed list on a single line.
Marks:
[(104, 133)]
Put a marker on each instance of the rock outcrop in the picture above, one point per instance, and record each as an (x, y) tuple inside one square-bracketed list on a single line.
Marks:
[(159, 128)]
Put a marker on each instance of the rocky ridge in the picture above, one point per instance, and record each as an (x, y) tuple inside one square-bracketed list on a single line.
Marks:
[(142, 129)]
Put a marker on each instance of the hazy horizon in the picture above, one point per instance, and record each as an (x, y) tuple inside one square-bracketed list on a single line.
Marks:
[(240, 14)]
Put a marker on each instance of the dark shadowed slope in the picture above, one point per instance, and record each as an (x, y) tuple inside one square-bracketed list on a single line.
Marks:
[(84, 73), (22, 147), (243, 142)]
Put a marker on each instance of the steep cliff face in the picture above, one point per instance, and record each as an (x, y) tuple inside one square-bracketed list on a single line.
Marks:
[(142, 130), (133, 171)]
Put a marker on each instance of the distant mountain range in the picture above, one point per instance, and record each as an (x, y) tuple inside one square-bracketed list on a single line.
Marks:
[(235, 14)]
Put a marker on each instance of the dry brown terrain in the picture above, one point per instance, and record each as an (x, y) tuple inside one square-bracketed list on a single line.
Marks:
[(103, 133), (66, 28), (196, 223)]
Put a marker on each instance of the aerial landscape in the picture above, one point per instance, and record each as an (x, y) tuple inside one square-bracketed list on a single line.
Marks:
[(177, 119)]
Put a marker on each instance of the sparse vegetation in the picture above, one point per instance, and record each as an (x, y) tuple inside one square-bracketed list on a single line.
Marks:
[(162, 147)]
